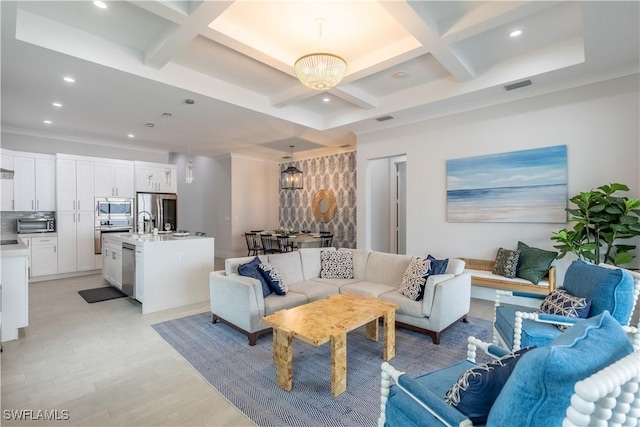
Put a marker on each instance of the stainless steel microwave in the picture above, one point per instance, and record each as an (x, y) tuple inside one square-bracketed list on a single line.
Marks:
[(114, 208), (36, 225)]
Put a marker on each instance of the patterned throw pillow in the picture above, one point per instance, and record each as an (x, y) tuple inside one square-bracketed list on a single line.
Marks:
[(506, 263), (477, 388), (274, 279), (563, 303), (336, 264), (414, 279)]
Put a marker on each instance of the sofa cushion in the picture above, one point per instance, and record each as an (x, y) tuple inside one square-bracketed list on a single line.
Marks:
[(310, 258), (455, 266), (405, 305), (533, 263), (506, 263), (289, 265), (360, 259), (273, 278), (336, 265), (366, 288), (413, 280), (540, 387), (562, 303), (274, 302), (314, 290), (608, 289), (476, 390), (339, 283), (252, 269), (386, 269)]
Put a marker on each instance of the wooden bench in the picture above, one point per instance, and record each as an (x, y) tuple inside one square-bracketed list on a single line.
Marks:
[(481, 275)]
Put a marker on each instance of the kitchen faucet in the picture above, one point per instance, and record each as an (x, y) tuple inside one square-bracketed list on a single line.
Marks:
[(144, 222)]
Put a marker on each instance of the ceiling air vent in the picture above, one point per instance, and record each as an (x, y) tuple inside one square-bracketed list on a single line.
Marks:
[(384, 118), (518, 85)]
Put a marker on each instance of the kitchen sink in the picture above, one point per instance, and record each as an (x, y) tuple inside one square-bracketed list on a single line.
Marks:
[(8, 242)]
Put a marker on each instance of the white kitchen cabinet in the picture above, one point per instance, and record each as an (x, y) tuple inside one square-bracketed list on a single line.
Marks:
[(156, 177), (114, 179), (75, 214), (139, 256), (112, 263), (6, 184), (44, 256), (34, 185), (27, 241)]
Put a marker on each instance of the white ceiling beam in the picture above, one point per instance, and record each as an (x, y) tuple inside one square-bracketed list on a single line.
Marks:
[(492, 15), (416, 19), (292, 95), (174, 40), (163, 9), (354, 95)]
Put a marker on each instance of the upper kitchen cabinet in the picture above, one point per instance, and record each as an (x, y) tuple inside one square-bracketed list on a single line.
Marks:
[(6, 184), (34, 182), (114, 179), (156, 177), (74, 182)]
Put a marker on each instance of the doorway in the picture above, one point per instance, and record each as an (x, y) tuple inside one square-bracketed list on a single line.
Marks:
[(400, 199)]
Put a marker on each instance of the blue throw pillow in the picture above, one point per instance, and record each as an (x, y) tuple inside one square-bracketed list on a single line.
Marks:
[(477, 388), (251, 269), (608, 289), (539, 390), (438, 266), (273, 278)]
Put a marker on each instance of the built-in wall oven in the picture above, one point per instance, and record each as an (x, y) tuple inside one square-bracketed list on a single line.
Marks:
[(113, 215)]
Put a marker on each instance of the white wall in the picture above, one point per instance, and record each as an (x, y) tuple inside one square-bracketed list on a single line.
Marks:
[(255, 198), (379, 201), (598, 123), (52, 144)]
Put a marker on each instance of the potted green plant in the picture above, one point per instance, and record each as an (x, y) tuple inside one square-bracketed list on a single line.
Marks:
[(601, 220)]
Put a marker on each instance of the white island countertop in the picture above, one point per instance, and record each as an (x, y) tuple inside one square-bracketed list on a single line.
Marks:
[(170, 271), (19, 249)]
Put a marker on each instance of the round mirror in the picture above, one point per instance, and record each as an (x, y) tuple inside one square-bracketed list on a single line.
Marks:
[(323, 205)]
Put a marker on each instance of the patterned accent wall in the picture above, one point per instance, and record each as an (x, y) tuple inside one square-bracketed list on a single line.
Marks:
[(336, 173)]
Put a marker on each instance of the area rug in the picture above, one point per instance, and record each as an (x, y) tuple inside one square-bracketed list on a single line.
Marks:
[(245, 375), (104, 293)]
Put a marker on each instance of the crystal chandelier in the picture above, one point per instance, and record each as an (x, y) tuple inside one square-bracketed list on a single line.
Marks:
[(320, 70)]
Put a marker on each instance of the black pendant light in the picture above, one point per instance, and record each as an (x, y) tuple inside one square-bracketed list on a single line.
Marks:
[(291, 177)]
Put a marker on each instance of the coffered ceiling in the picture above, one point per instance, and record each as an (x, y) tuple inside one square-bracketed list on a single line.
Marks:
[(136, 60)]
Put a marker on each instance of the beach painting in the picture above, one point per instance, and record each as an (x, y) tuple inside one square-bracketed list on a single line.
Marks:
[(518, 186)]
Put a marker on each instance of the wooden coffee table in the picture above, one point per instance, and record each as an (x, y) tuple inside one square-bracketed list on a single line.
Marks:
[(329, 320)]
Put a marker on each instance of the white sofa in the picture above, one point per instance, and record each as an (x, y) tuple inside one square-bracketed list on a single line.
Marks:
[(238, 300)]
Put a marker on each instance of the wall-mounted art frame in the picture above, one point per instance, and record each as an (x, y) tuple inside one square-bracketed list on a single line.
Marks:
[(518, 186), (324, 205)]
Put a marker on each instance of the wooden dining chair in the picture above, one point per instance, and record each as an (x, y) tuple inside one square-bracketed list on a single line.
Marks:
[(269, 244), (326, 240), (285, 244), (254, 244)]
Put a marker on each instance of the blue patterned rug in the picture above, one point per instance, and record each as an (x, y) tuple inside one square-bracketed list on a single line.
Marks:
[(246, 375)]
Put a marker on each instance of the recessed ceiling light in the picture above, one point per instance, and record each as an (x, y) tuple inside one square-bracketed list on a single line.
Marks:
[(515, 33), (47, 122), (69, 79), (100, 4), (326, 99), (131, 135), (56, 104), (399, 75)]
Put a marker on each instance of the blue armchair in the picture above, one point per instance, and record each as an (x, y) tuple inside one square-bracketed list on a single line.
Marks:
[(588, 375), (605, 287)]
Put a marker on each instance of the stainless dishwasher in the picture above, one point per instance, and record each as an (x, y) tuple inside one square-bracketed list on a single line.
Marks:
[(129, 269)]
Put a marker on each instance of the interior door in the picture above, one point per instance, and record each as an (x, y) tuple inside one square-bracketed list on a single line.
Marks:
[(401, 207)]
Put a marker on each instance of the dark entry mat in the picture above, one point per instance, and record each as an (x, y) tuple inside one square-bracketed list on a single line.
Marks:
[(101, 294)]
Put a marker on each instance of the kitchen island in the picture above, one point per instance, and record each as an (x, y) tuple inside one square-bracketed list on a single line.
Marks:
[(14, 285), (170, 271)]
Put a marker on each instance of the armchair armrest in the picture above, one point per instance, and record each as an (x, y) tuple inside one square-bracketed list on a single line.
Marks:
[(422, 400), (237, 299)]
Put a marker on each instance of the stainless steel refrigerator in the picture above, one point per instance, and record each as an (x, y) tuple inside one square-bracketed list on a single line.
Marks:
[(156, 210)]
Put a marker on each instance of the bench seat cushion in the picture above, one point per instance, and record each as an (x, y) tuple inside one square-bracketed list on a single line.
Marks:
[(484, 274)]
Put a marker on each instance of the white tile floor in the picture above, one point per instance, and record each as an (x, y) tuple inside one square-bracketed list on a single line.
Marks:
[(106, 366)]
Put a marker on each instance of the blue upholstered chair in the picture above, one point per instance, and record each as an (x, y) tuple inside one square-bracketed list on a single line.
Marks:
[(587, 376), (605, 287)]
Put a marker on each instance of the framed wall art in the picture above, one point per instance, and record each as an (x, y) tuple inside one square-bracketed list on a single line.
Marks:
[(517, 186)]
